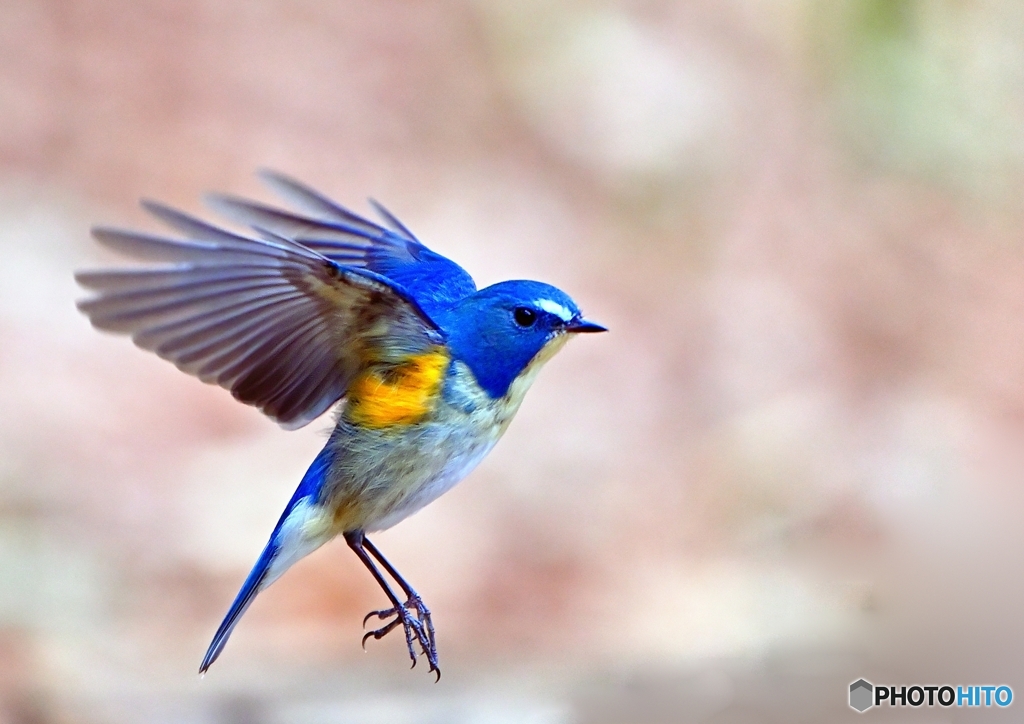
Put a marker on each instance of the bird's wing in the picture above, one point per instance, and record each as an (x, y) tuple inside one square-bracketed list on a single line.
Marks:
[(281, 326), (343, 236)]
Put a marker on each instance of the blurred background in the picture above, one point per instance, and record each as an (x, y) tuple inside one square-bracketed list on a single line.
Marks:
[(794, 462)]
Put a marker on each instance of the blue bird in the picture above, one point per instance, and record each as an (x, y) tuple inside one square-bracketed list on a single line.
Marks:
[(319, 305)]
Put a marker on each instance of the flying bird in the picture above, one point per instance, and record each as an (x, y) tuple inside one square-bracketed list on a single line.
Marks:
[(318, 305)]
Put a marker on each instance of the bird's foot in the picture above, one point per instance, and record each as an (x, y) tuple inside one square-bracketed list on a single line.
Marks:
[(414, 617)]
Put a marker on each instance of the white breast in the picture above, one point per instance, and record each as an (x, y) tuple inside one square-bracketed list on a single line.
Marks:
[(434, 487), (465, 430)]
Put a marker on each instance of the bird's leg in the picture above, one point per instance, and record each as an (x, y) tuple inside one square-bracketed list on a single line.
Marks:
[(413, 599), (414, 627), (411, 625)]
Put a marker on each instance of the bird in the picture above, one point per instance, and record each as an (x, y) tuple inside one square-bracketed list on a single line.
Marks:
[(315, 307)]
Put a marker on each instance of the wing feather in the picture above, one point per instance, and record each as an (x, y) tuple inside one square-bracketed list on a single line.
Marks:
[(207, 348), (330, 229), (392, 221), (280, 325), (313, 202), (222, 319)]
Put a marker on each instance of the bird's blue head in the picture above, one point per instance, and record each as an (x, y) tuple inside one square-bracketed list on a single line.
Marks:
[(502, 331)]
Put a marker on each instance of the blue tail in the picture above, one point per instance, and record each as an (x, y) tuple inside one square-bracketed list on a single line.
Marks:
[(245, 596), (308, 489)]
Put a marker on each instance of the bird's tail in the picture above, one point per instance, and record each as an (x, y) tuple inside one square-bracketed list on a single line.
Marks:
[(253, 585), (293, 538)]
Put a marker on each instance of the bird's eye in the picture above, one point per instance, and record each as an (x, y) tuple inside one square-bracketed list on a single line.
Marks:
[(524, 316)]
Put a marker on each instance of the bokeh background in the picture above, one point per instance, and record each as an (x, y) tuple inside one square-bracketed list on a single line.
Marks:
[(795, 461)]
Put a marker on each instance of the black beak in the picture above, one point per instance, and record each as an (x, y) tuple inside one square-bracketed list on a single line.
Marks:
[(582, 326)]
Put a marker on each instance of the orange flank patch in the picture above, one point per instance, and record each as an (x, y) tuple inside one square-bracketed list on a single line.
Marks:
[(398, 395)]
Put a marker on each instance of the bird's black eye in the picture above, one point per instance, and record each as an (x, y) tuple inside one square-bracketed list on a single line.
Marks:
[(524, 316)]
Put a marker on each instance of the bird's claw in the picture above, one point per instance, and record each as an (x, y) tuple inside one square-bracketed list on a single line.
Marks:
[(414, 617), (382, 614), (380, 633)]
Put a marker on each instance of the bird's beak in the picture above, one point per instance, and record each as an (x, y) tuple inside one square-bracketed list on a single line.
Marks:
[(579, 325)]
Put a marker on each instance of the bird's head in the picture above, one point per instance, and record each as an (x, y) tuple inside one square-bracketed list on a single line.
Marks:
[(507, 331)]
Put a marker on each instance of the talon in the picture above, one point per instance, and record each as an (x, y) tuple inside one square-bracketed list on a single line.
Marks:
[(381, 632), (382, 614)]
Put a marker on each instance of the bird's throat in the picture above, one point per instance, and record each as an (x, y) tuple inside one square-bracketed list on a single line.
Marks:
[(521, 384)]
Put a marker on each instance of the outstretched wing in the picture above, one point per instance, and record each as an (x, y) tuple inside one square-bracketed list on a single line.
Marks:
[(281, 326), (339, 234)]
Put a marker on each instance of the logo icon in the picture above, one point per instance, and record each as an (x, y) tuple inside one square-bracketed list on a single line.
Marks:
[(861, 695)]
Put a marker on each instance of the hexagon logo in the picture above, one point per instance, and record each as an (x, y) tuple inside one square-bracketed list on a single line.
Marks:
[(861, 695)]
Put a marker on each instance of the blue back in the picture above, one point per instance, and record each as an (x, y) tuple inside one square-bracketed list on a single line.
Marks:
[(435, 281)]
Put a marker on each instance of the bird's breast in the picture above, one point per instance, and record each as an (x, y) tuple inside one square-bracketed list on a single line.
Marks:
[(410, 432), (383, 474)]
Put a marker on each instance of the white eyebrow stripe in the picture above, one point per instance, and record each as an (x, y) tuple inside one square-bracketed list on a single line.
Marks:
[(559, 310)]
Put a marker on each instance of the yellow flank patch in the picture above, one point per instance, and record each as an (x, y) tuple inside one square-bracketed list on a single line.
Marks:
[(398, 395)]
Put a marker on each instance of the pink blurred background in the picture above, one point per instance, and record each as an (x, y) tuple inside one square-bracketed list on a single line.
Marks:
[(795, 461)]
